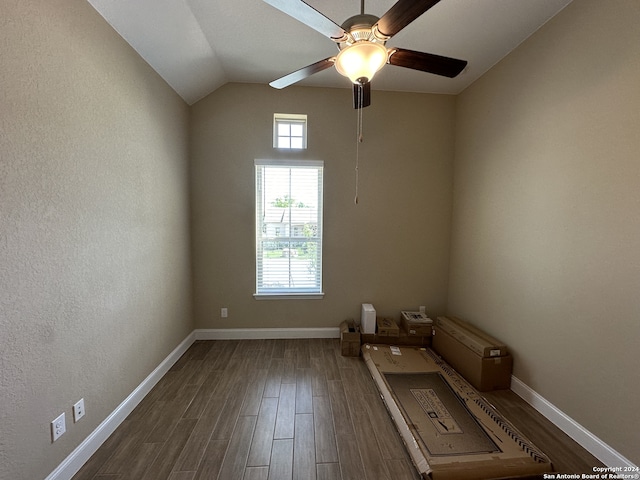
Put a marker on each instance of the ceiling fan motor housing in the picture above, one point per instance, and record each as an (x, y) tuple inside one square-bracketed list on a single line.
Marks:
[(360, 28)]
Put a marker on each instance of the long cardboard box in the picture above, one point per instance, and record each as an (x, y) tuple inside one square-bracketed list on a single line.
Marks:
[(484, 373), (480, 342)]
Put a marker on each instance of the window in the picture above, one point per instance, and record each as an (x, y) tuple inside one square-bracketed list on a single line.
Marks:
[(288, 228), (289, 131)]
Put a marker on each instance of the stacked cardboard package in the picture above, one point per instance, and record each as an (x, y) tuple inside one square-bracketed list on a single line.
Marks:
[(414, 332), (481, 359)]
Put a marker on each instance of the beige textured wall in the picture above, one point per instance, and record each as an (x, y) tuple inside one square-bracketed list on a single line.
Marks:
[(390, 250), (545, 251), (94, 249)]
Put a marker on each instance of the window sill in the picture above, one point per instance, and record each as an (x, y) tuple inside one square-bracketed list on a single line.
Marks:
[(288, 296)]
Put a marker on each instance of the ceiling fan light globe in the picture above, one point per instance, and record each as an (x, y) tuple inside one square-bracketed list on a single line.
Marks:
[(360, 62)]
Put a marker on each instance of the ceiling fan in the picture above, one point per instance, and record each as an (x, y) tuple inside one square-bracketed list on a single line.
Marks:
[(361, 42)]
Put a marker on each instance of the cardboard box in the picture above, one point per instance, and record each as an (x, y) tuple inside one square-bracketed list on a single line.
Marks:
[(450, 431), (403, 339), (387, 327), (480, 342), (416, 323), (484, 373), (350, 339), (368, 318)]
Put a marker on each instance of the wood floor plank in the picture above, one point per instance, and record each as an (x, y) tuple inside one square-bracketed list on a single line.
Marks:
[(254, 394), (212, 459), (319, 379), (90, 469), (388, 438), (139, 462), (402, 470), (328, 471), (330, 366), (256, 473), (172, 413), (224, 355), (289, 366), (286, 411), (340, 408), (202, 396), (274, 378), (235, 460), (304, 390), (125, 452), (260, 451), (230, 412), (325, 438), (304, 448), (182, 476), (278, 349), (373, 462), (281, 464), (161, 468), (315, 348), (194, 449), (303, 357), (264, 355), (351, 466)]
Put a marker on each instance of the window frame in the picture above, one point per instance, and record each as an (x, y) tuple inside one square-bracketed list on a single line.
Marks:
[(289, 119), (262, 292)]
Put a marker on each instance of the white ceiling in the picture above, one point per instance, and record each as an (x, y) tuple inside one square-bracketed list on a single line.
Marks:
[(199, 45)]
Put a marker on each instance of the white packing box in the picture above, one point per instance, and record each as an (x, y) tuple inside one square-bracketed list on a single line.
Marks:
[(368, 318)]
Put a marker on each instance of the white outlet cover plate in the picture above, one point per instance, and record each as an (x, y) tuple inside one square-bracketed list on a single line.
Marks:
[(58, 427), (78, 410)]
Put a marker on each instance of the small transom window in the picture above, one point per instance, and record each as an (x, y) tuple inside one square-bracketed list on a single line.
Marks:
[(289, 131)]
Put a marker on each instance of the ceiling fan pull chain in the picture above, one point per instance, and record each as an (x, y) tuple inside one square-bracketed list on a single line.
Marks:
[(360, 137)]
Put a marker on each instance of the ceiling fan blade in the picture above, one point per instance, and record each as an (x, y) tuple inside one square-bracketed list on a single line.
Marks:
[(361, 95), (427, 62), (402, 14), (311, 17), (303, 73)]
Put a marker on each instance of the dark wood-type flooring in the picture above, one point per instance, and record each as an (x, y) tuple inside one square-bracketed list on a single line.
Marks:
[(278, 410)]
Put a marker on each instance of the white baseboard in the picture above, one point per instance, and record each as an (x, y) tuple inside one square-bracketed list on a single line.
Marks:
[(591, 443), (265, 333), (72, 464)]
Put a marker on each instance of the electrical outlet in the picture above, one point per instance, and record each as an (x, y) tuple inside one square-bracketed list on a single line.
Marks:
[(422, 309), (78, 410), (58, 427), (224, 313)]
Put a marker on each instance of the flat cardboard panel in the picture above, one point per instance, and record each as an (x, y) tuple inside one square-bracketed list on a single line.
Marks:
[(484, 373), (434, 406), (480, 342)]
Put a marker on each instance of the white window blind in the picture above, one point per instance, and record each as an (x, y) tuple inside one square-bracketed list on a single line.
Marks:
[(288, 227)]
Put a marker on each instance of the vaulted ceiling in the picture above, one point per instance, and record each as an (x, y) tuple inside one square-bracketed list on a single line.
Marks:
[(199, 45)]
